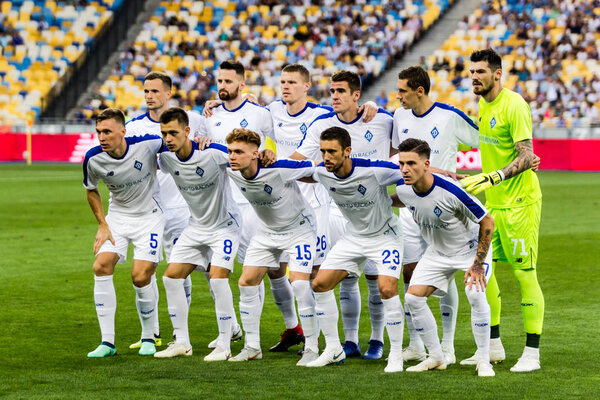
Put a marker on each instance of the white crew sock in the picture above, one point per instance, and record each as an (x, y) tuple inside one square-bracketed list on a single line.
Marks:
[(250, 311), (394, 316), (105, 299), (350, 307), (155, 289), (187, 287), (224, 311), (178, 308), (306, 310), (376, 310), (415, 340), (145, 301), (449, 309), (328, 316), (284, 299), (480, 321), (424, 324)]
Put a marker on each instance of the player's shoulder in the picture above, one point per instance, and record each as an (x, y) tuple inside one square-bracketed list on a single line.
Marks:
[(368, 163), (212, 147), (383, 113), (294, 164), (323, 118), (140, 120), (131, 140), (514, 100), (255, 107), (456, 113), (94, 151), (449, 185)]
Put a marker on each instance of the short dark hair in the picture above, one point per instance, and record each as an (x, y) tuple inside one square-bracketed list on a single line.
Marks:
[(111, 113), (166, 79), (415, 146), (233, 65), (352, 78), (339, 134), (243, 135), (415, 77), (301, 69), (175, 114), (493, 59)]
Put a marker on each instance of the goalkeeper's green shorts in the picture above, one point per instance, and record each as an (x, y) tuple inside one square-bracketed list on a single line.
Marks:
[(516, 235)]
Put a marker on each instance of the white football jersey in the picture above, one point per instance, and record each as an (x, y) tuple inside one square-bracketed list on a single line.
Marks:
[(169, 195), (362, 196), (275, 196), (447, 215), (130, 179), (369, 140), (289, 130), (203, 182), (443, 127)]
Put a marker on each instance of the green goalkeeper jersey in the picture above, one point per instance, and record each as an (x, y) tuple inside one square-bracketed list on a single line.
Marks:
[(502, 123)]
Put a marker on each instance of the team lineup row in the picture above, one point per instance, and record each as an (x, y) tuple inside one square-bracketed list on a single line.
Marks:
[(358, 220)]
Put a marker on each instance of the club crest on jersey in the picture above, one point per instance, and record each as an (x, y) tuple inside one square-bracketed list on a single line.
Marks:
[(434, 132), (110, 173), (268, 189), (368, 136), (437, 211), (303, 128), (362, 190), (492, 122), (218, 123), (244, 123), (200, 172), (138, 165)]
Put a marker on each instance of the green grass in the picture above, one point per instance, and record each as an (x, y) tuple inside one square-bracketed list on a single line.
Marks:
[(48, 321)]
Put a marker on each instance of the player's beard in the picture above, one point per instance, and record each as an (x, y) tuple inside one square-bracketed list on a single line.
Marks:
[(483, 90), (226, 96)]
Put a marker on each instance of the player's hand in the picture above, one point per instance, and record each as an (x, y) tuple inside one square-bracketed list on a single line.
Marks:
[(209, 105), (267, 157), (102, 236), (250, 97), (370, 111), (536, 163), (475, 275), (203, 142), (478, 183), (454, 175)]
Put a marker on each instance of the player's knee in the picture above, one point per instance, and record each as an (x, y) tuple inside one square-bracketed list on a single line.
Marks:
[(414, 302), (477, 300), (141, 278), (319, 286), (102, 268), (388, 292)]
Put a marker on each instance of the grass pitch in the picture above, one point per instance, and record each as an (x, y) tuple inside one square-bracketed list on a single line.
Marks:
[(48, 321)]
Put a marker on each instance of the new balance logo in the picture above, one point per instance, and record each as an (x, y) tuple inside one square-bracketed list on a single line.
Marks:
[(446, 314), (110, 173), (153, 252), (393, 268), (280, 124), (405, 131), (369, 136), (172, 315), (177, 173), (243, 189), (268, 189), (362, 190), (218, 124), (138, 165), (244, 123), (226, 258), (492, 122), (199, 172), (332, 189), (437, 211), (305, 264)]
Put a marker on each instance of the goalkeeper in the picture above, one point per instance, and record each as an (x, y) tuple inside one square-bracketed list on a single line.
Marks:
[(513, 198)]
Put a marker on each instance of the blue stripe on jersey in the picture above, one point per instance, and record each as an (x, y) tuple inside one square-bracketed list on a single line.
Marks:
[(291, 164), (138, 139), (382, 111), (216, 146), (459, 112), (321, 164), (460, 194), (139, 117), (324, 116), (400, 182), (364, 162), (94, 151)]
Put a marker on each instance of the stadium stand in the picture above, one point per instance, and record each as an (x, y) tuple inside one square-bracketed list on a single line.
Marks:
[(41, 42), (189, 39), (550, 55)]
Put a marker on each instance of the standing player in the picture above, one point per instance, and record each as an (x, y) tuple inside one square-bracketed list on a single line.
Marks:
[(458, 230), (286, 227), (513, 197), (359, 188), (157, 92), (370, 140), (443, 127), (201, 178), (128, 168)]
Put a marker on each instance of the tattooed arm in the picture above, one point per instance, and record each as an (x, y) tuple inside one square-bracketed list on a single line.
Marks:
[(524, 161), (475, 275)]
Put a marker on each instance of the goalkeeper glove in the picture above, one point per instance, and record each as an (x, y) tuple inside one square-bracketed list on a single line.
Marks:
[(478, 183)]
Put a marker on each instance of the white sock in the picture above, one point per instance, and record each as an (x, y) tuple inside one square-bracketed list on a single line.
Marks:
[(306, 311), (376, 311), (350, 307), (394, 317), (328, 316), (449, 309), (145, 301), (155, 288), (178, 308), (284, 299), (224, 310), (424, 324), (105, 299), (187, 286), (250, 310), (480, 321), (415, 340), (261, 294)]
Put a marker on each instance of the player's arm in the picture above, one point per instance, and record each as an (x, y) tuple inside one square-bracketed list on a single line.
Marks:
[(396, 201), (103, 234), (475, 275), (525, 159), (370, 109)]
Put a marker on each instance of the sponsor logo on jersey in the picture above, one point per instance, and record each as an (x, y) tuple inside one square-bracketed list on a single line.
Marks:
[(138, 165), (368, 136), (437, 211), (110, 173), (268, 189), (492, 122), (244, 123), (199, 172), (362, 190), (303, 128), (434, 132)]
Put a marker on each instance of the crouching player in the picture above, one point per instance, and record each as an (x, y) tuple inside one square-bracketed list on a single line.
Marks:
[(287, 226), (201, 178), (458, 230), (359, 188), (128, 168)]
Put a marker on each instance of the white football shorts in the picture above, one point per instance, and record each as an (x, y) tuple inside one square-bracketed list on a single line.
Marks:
[(250, 223)]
